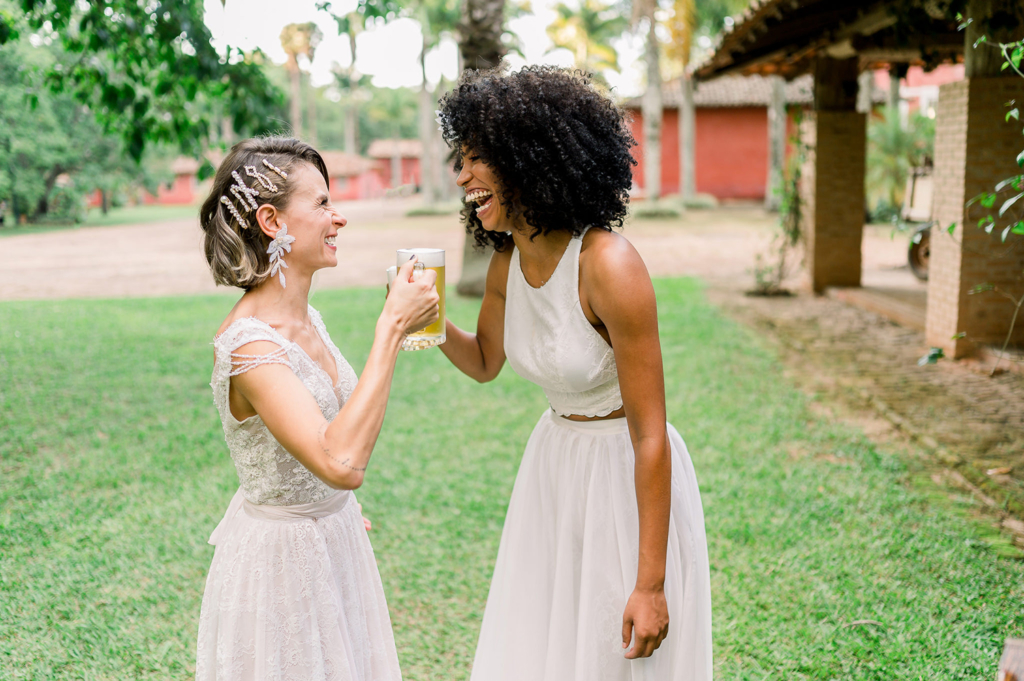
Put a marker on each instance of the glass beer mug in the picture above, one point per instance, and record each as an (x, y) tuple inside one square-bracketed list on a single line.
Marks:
[(430, 259)]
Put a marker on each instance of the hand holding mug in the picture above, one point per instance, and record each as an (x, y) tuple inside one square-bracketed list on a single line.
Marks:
[(430, 261), (413, 300)]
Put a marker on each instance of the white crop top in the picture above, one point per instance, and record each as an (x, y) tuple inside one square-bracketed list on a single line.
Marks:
[(550, 342)]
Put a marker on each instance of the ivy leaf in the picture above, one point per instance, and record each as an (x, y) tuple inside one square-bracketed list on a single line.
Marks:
[(987, 199), (951, 228), (1018, 228), (1009, 202), (933, 356), (1013, 113), (1020, 159)]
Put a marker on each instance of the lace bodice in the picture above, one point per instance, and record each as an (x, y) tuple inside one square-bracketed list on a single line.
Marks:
[(550, 342), (267, 473)]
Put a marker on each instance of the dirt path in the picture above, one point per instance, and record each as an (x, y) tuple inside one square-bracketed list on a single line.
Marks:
[(166, 258)]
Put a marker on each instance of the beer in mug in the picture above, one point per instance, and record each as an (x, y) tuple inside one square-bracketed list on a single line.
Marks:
[(431, 259)]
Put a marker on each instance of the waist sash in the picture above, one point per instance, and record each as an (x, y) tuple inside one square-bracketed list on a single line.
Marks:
[(316, 509)]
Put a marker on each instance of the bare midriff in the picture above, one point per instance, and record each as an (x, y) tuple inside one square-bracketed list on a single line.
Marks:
[(617, 414)]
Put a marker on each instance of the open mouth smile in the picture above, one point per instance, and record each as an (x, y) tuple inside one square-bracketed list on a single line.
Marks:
[(482, 197)]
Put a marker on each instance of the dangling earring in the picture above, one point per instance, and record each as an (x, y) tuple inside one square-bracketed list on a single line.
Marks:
[(282, 243)]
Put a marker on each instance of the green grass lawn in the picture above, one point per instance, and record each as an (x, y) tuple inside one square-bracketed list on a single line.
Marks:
[(128, 215), (830, 558)]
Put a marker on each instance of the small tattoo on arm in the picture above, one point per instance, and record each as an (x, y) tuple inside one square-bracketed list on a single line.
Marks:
[(322, 437)]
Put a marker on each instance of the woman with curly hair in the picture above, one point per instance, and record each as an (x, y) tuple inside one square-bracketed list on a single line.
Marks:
[(602, 572)]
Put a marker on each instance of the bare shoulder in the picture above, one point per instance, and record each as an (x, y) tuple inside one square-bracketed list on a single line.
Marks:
[(608, 257), (497, 271)]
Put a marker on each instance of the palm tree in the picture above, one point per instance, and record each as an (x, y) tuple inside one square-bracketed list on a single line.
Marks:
[(587, 32), (436, 18), (349, 79), (298, 39), (681, 28), (651, 104), (480, 46)]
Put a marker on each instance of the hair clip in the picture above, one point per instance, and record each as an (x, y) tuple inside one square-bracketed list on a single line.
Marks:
[(234, 212), (263, 180), (277, 170), (243, 192)]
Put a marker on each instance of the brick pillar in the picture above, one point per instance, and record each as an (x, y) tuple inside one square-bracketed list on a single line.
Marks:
[(975, 148), (833, 177)]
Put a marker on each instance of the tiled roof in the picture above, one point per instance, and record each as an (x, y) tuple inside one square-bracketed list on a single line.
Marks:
[(385, 148), (737, 91), (731, 91), (343, 164)]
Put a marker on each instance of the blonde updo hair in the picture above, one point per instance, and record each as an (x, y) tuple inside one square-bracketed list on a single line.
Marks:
[(237, 255)]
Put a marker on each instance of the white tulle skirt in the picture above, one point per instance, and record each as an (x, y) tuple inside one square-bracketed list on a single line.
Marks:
[(568, 562), (293, 594)]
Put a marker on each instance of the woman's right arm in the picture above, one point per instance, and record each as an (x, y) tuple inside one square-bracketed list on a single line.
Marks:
[(338, 451), (482, 355)]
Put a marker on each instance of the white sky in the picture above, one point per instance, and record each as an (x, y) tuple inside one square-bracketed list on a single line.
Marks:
[(390, 53)]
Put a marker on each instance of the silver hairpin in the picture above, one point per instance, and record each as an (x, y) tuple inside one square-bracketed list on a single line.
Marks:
[(271, 166), (234, 212), (261, 178), (244, 192)]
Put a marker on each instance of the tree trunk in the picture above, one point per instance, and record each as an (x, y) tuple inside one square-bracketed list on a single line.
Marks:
[(352, 126), (104, 201), (776, 143), (43, 207), (296, 100), (311, 110), (687, 141), (480, 47), (483, 22), (652, 113), (428, 170), (894, 86)]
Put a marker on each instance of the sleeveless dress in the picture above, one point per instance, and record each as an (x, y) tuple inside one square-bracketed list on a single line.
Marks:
[(567, 562), (293, 593)]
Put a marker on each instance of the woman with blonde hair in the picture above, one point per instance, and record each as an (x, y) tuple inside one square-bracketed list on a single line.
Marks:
[(293, 592)]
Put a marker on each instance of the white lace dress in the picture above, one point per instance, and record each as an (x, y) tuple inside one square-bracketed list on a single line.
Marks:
[(293, 593), (568, 557)]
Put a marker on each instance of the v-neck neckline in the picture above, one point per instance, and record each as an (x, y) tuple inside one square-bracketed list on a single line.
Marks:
[(558, 266)]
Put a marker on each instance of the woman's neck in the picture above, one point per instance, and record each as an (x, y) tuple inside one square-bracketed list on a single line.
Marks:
[(543, 248), (275, 302)]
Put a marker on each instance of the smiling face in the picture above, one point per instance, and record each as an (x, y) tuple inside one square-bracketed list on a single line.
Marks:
[(312, 219), (483, 188)]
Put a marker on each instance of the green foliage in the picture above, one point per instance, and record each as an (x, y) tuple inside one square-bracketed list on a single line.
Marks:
[(114, 473), (894, 148), (586, 29), (390, 112), (52, 150), (147, 70)]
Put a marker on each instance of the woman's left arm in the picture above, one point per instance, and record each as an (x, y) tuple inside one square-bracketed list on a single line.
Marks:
[(618, 291)]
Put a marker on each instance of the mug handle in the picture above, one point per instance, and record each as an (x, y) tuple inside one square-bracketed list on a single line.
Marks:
[(393, 272)]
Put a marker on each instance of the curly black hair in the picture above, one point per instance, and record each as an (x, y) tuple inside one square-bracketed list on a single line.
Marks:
[(558, 146)]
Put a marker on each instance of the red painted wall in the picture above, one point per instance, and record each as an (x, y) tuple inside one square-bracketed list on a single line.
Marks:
[(367, 185), (731, 151), (410, 172), (181, 192)]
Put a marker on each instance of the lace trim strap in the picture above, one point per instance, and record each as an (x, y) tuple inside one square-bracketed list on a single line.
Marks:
[(240, 363)]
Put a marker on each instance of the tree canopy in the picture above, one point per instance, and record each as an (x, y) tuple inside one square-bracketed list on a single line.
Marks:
[(147, 70)]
